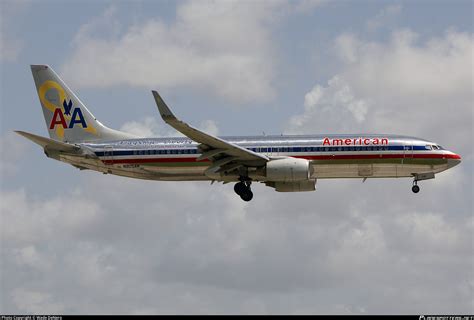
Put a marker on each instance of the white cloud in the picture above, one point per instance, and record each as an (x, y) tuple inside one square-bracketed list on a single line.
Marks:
[(223, 48), (334, 108), (28, 256), (13, 148), (35, 302), (151, 127), (405, 86), (26, 217), (162, 256), (147, 128), (347, 46), (209, 126)]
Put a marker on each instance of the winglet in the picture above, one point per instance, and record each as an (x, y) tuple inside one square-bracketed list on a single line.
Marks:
[(165, 112)]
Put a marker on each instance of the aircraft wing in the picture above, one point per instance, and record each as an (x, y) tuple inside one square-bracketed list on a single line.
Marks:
[(214, 145)]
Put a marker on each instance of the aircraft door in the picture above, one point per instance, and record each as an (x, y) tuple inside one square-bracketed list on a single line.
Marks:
[(408, 150), (109, 155)]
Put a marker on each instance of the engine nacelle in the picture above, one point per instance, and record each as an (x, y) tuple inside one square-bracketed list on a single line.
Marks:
[(288, 170)]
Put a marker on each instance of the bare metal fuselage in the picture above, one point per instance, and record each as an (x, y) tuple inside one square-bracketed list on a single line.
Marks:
[(358, 156)]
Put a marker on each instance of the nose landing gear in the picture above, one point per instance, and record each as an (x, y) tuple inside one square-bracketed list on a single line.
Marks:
[(415, 188), (418, 177), (242, 188)]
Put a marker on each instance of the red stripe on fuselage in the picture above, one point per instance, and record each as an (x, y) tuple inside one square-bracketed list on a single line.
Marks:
[(381, 155), (314, 157)]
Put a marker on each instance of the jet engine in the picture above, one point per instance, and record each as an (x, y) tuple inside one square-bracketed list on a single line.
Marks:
[(290, 175), (288, 170)]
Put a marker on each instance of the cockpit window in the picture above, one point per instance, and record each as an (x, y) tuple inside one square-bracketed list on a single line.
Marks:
[(428, 147), (440, 147)]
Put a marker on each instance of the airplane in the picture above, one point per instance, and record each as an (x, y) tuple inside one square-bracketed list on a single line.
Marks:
[(287, 163)]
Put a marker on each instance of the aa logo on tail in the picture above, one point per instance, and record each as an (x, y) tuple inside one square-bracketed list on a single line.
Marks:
[(59, 119), (66, 116)]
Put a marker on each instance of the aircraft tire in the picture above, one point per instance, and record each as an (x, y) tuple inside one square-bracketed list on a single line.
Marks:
[(415, 189), (239, 188), (247, 195)]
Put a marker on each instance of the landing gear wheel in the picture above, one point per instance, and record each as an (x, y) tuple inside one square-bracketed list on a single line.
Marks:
[(415, 189), (242, 188), (247, 195), (239, 188)]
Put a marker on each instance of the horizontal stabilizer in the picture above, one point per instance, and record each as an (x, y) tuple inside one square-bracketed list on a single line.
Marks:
[(49, 143)]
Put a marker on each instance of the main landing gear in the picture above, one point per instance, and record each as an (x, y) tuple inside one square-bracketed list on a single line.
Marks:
[(415, 188), (242, 188)]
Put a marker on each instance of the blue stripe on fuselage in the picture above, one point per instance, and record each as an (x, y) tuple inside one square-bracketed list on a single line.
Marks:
[(260, 149)]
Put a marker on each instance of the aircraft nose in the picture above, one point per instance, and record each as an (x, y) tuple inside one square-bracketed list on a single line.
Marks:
[(453, 160)]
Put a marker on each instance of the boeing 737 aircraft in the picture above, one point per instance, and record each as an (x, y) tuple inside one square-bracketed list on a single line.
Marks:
[(290, 163)]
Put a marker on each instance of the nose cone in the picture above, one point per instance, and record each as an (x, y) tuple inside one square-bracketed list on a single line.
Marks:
[(453, 159)]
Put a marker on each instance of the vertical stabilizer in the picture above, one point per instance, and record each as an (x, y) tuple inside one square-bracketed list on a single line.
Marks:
[(67, 119)]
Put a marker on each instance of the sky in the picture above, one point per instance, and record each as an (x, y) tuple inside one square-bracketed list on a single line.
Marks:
[(75, 242)]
